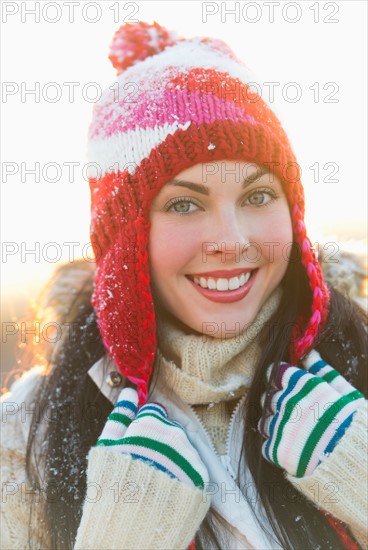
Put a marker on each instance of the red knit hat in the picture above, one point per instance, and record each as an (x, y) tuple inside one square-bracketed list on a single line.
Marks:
[(176, 103)]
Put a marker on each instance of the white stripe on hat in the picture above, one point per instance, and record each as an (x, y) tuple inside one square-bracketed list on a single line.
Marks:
[(127, 150)]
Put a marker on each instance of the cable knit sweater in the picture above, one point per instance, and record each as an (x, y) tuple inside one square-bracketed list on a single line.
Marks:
[(135, 514)]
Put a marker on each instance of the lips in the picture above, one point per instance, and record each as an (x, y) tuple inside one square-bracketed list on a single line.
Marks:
[(222, 283), (224, 280), (226, 296)]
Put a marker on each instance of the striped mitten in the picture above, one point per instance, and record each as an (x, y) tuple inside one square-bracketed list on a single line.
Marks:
[(308, 415), (149, 435)]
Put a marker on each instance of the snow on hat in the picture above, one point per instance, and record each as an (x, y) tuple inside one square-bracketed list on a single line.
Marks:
[(176, 103)]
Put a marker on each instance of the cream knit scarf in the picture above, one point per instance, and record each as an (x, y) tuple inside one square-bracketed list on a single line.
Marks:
[(210, 373)]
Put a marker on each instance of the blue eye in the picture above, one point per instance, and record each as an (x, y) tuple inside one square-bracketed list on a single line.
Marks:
[(181, 202), (261, 197), (257, 198), (179, 205)]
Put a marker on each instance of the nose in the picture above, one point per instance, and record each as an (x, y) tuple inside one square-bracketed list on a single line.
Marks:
[(228, 235)]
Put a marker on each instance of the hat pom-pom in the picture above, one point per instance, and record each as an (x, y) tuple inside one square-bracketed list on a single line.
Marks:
[(134, 42)]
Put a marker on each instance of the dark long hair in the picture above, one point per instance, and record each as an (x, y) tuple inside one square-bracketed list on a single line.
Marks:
[(80, 412)]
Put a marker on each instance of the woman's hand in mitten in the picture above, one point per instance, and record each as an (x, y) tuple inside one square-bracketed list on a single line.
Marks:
[(307, 415), (147, 434)]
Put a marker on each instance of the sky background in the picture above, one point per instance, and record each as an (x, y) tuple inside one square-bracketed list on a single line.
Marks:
[(328, 56)]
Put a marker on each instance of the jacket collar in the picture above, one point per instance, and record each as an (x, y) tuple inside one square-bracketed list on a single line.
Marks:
[(105, 374)]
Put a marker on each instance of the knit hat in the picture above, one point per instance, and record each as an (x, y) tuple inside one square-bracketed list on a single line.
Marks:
[(175, 103)]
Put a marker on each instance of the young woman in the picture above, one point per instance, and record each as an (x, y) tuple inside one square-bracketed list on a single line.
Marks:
[(207, 390)]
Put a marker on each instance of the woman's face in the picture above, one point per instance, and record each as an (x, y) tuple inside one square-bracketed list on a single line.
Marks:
[(220, 241)]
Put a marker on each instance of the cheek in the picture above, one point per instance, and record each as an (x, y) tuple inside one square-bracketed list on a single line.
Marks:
[(276, 235), (170, 247)]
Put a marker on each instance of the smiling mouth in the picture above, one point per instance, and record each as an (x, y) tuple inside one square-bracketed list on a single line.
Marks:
[(222, 284)]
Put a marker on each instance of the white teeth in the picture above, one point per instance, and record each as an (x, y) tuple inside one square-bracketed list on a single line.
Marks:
[(211, 284), (202, 282), (223, 284), (244, 278), (234, 283)]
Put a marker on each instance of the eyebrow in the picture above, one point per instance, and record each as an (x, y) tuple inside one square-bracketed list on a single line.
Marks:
[(204, 190)]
